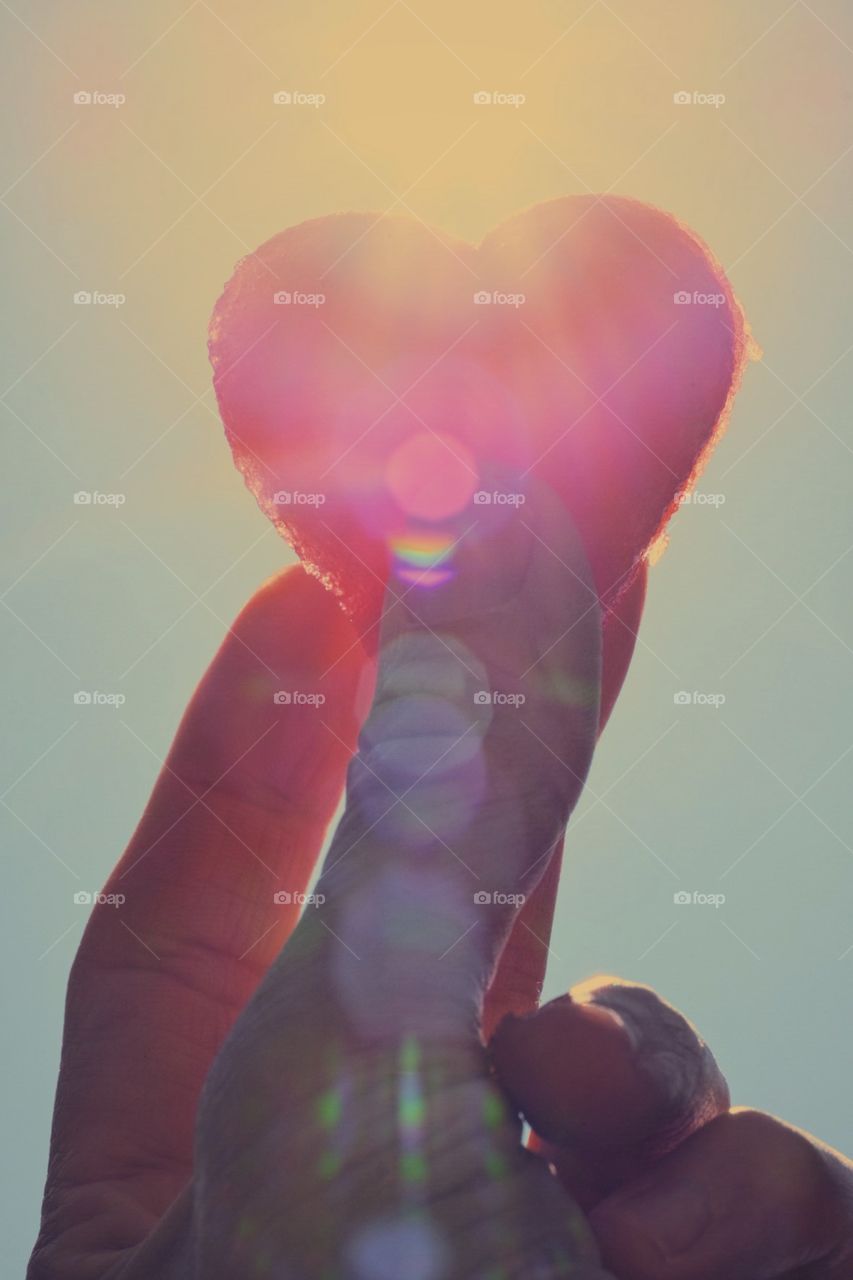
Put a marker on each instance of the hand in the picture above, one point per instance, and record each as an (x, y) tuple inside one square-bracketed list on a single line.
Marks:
[(635, 1118), (238, 813), (350, 1126)]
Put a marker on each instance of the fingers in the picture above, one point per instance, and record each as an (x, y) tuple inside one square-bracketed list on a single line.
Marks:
[(248, 787), (517, 984), (238, 814), (745, 1198), (475, 751), (610, 1077), (634, 1116), (621, 625), (354, 1088)]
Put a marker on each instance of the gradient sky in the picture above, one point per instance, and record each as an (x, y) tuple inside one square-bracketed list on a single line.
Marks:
[(157, 197)]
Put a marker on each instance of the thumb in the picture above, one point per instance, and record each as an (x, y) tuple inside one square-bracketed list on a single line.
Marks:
[(747, 1198), (610, 1077)]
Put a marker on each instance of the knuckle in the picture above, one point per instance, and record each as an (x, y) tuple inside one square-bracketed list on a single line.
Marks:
[(800, 1172), (670, 1054)]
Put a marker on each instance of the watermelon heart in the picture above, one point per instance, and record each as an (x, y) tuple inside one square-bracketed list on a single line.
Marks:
[(386, 388)]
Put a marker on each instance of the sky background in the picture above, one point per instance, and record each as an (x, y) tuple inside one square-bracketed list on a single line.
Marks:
[(156, 198)]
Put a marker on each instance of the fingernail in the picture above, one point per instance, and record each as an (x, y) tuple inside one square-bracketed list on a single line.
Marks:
[(674, 1221)]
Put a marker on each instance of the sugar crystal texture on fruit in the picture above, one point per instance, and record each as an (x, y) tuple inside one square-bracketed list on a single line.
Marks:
[(387, 389)]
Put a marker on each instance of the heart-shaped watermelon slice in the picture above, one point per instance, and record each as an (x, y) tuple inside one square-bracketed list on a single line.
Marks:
[(385, 388)]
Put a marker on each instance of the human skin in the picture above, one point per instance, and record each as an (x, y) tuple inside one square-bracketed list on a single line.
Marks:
[(144, 1181)]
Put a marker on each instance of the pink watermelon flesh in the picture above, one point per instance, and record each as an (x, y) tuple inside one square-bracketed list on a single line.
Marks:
[(373, 405)]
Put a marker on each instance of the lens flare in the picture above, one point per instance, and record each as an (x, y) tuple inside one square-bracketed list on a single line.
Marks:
[(431, 476), (422, 556)]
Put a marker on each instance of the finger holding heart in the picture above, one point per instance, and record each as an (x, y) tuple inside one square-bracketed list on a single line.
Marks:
[(351, 1119)]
